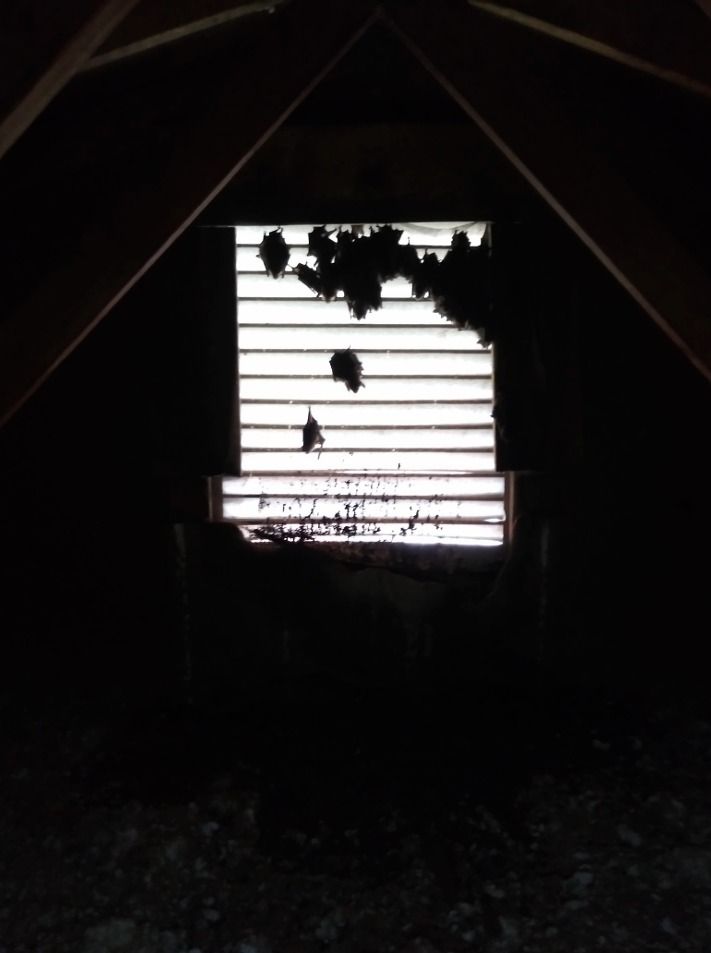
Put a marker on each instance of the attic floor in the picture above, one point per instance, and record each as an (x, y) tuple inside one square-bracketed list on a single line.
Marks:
[(355, 825)]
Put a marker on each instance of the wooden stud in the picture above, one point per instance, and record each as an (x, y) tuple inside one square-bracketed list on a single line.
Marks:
[(705, 6), (152, 27), (558, 156), (38, 67), (144, 214), (625, 49)]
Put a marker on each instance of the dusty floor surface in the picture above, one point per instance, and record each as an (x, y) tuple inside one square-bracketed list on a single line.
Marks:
[(354, 826)]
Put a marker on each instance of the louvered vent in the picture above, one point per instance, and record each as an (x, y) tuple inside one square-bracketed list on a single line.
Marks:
[(410, 457)]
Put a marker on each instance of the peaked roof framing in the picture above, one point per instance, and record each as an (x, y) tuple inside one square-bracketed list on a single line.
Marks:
[(267, 81), (673, 47), (43, 49), (150, 27), (174, 161), (551, 147)]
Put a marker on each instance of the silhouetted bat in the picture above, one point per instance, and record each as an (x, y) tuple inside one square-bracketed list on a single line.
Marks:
[(425, 275), (311, 434), (346, 367), (408, 262), (460, 291), (358, 274), (309, 277), (321, 246), (330, 281), (385, 251), (274, 253)]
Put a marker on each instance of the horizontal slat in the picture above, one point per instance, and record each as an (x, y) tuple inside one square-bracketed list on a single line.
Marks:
[(357, 413), (286, 461), (394, 365), (316, 311), (426, 234), (379, 520), (293, 234), (257, 438), (430, 487), (347, 400), (249, 261), (315, 509), (319, 390), (464, 534), (361, 335), (253, 285), (375, 377), (384, 439)]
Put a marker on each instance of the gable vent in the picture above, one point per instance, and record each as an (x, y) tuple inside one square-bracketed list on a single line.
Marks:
[(409, 457)]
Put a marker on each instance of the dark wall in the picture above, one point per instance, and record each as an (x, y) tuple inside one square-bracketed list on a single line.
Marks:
[(94, 470), (645, 516), (613, 497), (610, 558), (80, 516)]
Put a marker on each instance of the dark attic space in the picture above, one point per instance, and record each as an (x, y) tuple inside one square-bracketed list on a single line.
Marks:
[(229, 733)]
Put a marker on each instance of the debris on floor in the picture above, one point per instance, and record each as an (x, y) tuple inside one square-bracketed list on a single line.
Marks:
[(435, 828)]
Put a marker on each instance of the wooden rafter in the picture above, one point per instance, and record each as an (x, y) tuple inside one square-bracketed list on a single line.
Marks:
[(553, 150), (309, 172), (686, 65), (150, 27), (44, 48), (206, 146)]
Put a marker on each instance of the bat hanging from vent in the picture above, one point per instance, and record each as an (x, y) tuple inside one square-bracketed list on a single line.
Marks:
[(275, 253), (356, 266), (346, 367), (312, 435)]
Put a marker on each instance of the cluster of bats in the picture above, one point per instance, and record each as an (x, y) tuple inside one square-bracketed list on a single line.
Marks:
[(357, 265)]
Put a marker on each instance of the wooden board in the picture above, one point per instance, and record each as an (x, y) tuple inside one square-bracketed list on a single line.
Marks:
[(501, 84), (148, 204), (42, 47)]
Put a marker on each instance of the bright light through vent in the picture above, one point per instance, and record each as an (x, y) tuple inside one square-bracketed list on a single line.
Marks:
[(409, 458)]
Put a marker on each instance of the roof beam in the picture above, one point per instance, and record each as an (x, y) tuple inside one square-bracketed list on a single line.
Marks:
[(150, 27), (679, 61), (42, 48), (550, 145), (373, 171), (206, 144)]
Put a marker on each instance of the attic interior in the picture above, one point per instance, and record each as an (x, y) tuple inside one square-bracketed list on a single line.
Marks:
[(209, 745)]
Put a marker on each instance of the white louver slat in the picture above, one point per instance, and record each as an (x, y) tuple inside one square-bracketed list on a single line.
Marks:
[(410, 457)]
